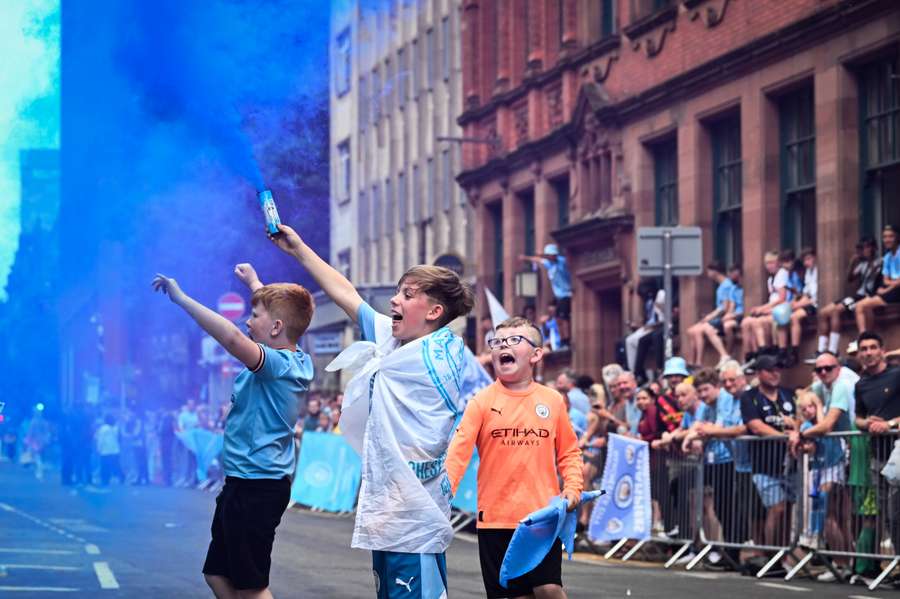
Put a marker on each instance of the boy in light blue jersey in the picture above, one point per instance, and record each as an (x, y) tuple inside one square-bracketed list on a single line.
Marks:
[(710, 326), (258, 444)]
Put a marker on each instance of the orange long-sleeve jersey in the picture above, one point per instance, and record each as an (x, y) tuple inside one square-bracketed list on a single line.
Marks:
[(523, 439)]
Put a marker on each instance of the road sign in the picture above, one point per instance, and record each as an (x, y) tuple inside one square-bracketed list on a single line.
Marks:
[(687, 251), (669, 252), (231, 305)]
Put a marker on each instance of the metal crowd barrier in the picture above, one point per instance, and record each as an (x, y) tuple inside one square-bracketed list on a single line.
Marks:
[(855, 513), (750, 503), (675, 480), (829, 505)]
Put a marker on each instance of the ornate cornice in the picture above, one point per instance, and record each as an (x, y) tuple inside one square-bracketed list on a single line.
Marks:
[(574, 61), (731, 65)]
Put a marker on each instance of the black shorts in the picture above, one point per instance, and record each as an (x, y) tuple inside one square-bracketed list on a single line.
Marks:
[(243, 529), (492, 544), (892, 296), (564, 307), (810, 311)]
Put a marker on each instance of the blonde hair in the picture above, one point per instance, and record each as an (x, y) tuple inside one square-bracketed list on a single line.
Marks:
[(444, 287), (291, 303), (770, 256), (806, 397), (517, 321)]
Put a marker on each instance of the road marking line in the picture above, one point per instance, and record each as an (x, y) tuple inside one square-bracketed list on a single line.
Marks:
[(105, 576), (861, 597), (786, 587), (703, 575), (92, 549), (38, 567), (9, 508), (39, 589), (37, 551)]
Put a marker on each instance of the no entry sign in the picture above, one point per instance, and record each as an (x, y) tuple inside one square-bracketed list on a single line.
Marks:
[(231, 305)]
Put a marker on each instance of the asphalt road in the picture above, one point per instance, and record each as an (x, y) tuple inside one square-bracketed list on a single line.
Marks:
[(151, 541)]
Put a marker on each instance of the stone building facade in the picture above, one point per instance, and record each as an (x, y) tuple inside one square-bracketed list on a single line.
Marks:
[(766, 123)]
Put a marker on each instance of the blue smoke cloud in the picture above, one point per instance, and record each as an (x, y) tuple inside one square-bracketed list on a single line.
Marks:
[(173, 114)]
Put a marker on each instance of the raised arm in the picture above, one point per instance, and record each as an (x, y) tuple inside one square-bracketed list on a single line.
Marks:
[(217, 326), (334, 284), (247, 274)]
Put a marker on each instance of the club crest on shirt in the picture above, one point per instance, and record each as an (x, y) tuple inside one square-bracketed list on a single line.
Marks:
[(542, 411)]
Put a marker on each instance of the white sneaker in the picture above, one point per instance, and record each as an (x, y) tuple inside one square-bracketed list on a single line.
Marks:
[(714, 557), (722, 361), (685, 559), (828, 576)]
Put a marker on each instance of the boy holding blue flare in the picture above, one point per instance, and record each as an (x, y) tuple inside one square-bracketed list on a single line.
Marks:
[(398, 414), (525, 443)]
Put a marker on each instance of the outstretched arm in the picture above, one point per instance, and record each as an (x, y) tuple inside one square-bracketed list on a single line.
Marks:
[(533, 259), (219, 328), (247, 274), (333, 283)]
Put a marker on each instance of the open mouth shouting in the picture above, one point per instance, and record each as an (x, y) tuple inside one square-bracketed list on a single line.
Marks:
[(506, 358)]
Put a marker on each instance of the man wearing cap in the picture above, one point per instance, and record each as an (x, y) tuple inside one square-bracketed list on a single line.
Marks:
[(768, 411), (560, 282)]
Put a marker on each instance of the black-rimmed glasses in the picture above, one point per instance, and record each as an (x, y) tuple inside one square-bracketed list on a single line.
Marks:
[(512, 340)]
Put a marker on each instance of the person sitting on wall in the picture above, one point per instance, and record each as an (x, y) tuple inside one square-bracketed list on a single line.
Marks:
[(862, 281), (710, 326), (802, 306), (889, 290)]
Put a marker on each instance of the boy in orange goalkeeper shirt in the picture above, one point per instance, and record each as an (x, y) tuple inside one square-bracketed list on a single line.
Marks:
[(525, 442)]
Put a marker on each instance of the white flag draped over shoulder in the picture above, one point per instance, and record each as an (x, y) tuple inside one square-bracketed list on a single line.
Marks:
[(398, 413)]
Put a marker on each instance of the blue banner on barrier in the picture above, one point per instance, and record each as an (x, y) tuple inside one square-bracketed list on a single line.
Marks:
[(328, 473), (625, 511), (466, 498), (205, 445)]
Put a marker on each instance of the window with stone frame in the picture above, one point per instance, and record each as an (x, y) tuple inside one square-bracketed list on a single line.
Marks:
[(496, 214), (402, 78), (644, 8), (526, 201), (561, 189), (343, 69), (343, 172), (402, 207), (430, 58), (415, 79), (879, 99), (343, 259), (665, 182), (607, 18), (416, 195), (797, 131), (447, 53), (725, 135), (447, 180), (389, 220), (430, 192)]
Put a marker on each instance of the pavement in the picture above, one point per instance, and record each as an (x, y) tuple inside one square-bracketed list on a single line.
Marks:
[(151, 541)]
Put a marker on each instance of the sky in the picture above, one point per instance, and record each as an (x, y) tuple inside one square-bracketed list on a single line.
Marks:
[(29, 103)]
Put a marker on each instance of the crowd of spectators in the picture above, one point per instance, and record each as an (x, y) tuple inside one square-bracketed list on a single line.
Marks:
[(95, 447), (754, 437)]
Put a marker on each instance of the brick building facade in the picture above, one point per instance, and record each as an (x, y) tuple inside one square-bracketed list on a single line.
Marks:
[(767, 123)]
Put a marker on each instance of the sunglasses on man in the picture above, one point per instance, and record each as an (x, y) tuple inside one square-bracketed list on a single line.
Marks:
[(824, 369)]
